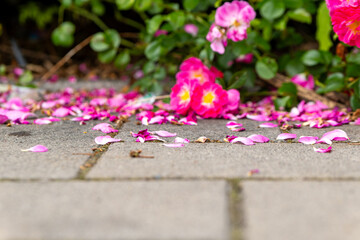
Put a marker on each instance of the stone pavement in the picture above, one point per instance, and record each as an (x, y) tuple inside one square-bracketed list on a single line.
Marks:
[(200, 191)]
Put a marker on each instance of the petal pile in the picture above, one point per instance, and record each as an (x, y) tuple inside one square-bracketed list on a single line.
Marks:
[(105, 128)]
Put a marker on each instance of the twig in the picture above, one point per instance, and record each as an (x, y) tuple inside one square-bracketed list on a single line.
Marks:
[(66, 58), (304, 93)]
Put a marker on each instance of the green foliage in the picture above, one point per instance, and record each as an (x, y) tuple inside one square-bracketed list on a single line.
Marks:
[(323, 29), (63, 35), (32, 11)]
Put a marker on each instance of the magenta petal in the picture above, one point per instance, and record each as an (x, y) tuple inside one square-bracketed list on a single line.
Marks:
[(174, 145), (3, 119), (258, 138), (105, 128), (61, 112), (308, 139), (165, 134), (321, 150), (232, 124), (101, 140), (285, 136), (258, 117), (181, 140), (37, 148), (335, 135), (243, 140), (268, 125)]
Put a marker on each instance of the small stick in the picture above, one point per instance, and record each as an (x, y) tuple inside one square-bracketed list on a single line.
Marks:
[(66, 58)]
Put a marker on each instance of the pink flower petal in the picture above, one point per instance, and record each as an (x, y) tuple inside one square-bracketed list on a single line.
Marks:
[(232, 124), (285, 136), (308, 139), (3, 119), (322, 150), (101, 140), (243, 140), (260, 118), (105, 128), (165, 134), (268, 125), (61, 112), (37, 148), (258, 138), (181, 140), (335, 135), (174, 145)]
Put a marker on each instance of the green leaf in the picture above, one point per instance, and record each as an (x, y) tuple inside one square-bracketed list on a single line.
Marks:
[(288, 88), (324, 28), (312, 58), (98, 43), (190, 4), (153, 50), (266, 68), (176, 19), (26, 78), (66, 3), (300, 15), (293, 3), (112, 37), (355, 102), (122, 59), (154, 24), (281, 102), (97, 7), (238, 79), (294, 66), (142, 5), (124, 4), (107, 56), (334, 82), (2, 69), (63, 34), (272, 9), (148, 67)]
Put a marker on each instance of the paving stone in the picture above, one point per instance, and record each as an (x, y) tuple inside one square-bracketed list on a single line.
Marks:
[(211, 128), (63, 140), (302, 210), (114, 210), (352, 131), (276, 160)]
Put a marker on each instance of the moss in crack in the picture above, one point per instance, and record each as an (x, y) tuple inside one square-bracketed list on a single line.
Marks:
[(236, 210)]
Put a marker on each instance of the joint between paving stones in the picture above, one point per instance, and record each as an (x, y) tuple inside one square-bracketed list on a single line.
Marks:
[(236, 215), (94, 158)]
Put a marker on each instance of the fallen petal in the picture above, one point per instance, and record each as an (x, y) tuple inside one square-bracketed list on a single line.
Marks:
[(37, 148), (101, 140), (268, 125), (285, 136), (232, 124), (181, 140), (308, 139), (3, 119), (259, 138), (174, 145), (105, 128), (335, 135), (243, 140), (165, 134), (321, 150)]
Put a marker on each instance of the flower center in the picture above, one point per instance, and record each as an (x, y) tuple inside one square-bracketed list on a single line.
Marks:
[(208, 98), (237, 23), (185, 96), (354, 27), (199, 76)]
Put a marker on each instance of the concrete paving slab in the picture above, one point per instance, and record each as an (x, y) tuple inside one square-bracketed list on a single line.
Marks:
[(114, 210), (63, 139), (302, 210), (214, 129), (196, 160), (352, 131)]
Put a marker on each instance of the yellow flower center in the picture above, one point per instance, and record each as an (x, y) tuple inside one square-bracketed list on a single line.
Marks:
[(354, 27), (237, 23), (185, 96), (199, 76), (208, 98)]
